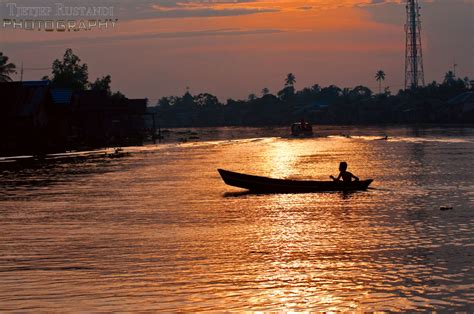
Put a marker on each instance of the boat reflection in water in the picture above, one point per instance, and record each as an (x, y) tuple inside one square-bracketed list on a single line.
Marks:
[(153, 231)]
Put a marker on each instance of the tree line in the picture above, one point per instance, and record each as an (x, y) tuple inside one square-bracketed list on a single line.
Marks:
[(317, 104), (68, 72)]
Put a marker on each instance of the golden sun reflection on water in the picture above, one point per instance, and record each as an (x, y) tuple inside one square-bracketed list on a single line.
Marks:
[(156, 231), (295, 273), (280, 158), (326, 224), (317, 159)]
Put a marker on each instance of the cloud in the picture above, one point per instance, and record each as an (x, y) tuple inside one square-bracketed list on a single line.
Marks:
[(147, 9), (305, 8), (187, 13), (190, 8), (149, 36)]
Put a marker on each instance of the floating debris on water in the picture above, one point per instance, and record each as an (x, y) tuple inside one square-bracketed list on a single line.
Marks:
[(446, 208)]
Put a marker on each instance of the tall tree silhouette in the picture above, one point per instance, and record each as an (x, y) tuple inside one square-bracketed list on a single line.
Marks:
[(102, 84), (290, 79), (288, 91), (265, 91), (379, 77), (70, 72), (6, 69)]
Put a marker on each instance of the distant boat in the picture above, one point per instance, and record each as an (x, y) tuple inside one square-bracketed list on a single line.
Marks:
[(301, 129), (118, 153), (259, 184)]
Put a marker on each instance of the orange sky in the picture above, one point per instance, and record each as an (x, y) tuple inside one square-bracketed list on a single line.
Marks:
[(234, 48)]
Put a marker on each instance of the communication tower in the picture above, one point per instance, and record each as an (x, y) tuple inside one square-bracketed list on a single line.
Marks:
[(414, 73)]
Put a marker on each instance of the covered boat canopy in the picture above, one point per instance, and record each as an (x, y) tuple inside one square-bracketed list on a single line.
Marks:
[(301, 128)]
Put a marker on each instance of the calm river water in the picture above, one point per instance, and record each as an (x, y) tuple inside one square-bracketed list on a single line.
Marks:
[(158, 230)]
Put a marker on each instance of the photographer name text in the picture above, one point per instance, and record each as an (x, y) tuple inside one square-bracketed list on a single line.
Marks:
[(60, 18)]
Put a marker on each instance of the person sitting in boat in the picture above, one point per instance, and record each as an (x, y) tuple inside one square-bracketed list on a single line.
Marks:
[(344, 174), (305, 126), (303, 123)]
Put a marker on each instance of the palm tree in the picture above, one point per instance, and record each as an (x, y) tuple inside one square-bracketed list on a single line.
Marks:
[(290, 79), (265, 91), (6, 69), (379, 77)]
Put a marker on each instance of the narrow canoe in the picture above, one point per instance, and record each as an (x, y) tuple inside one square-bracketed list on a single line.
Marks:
[(259, 184)]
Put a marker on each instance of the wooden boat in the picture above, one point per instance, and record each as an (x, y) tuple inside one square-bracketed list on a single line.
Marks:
[(118, 153), (259, 184), (301, 129)]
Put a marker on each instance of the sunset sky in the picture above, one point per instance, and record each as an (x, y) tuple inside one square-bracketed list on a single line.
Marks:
[(232, 48)]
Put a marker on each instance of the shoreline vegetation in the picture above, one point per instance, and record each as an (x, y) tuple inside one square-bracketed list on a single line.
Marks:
[(447, 103), (435, 103)]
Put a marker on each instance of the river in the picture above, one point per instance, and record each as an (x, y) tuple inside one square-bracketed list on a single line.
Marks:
[(159, 231)]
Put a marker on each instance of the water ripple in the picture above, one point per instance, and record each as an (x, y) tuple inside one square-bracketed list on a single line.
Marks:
[(159, 231)]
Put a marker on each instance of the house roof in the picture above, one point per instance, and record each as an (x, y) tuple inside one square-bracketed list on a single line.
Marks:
[(33, 83), (464, 98), (61, 96)]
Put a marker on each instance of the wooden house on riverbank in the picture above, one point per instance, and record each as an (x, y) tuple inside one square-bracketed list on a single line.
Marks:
[(103, 121), (26, 117), (37, 119)]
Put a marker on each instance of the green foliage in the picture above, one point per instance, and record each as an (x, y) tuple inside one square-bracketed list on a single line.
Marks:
[(316, 104), (207, 101), (449, 78), (286, 93), (102, 84), (379, 77), (361, 91), (252, 97), (69, 72), (6, 68), (290, 79), (164, 102), (118, 96)]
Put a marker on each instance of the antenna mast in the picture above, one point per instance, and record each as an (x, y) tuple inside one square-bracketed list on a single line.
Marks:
[(455, 65), (30, 69), (414, 73)]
